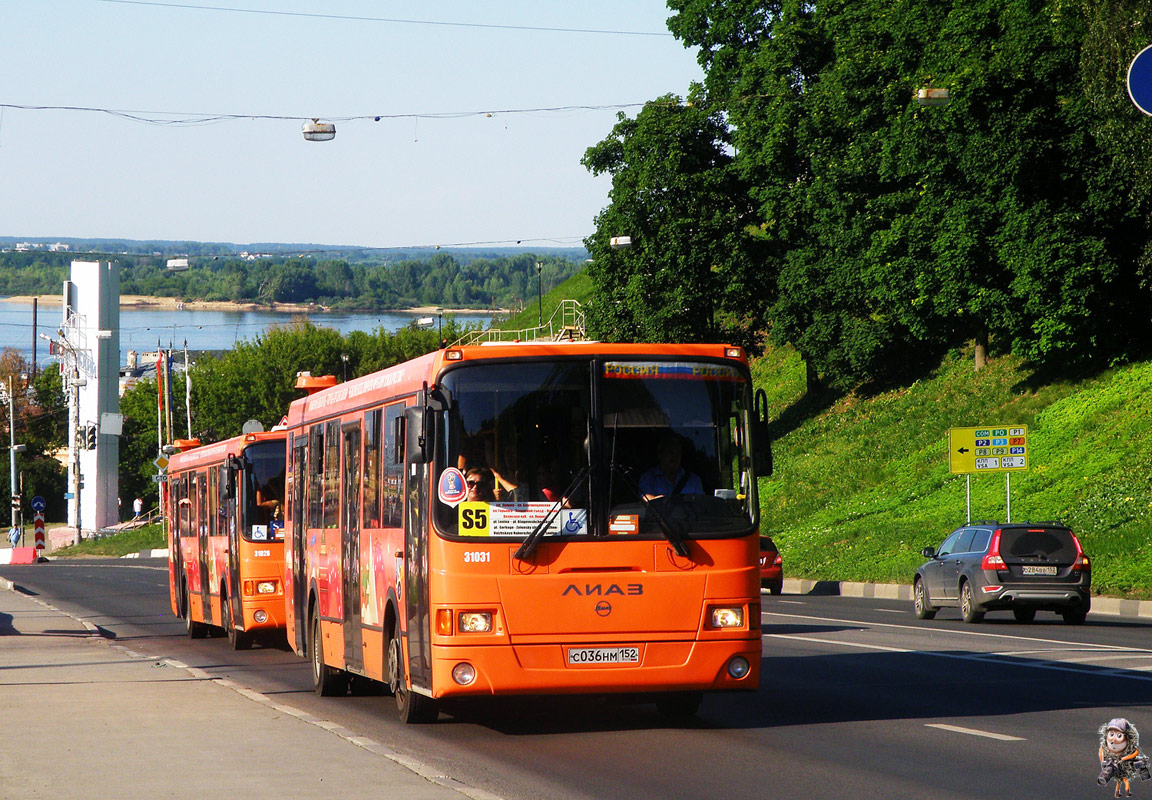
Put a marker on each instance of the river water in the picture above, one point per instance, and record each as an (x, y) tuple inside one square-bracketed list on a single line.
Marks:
[(142, 329)]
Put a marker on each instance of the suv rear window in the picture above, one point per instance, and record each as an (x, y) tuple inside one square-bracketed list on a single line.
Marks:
[(1044, 544)]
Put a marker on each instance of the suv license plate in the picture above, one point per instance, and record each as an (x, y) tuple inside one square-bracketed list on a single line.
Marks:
[(603, 655), (1038, 570)]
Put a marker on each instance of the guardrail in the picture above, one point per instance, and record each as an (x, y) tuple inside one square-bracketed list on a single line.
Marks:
[(565, 325)]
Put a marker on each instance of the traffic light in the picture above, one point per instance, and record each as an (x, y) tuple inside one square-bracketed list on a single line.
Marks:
[(90, 437)]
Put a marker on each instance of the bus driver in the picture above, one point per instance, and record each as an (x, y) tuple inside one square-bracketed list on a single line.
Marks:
[(668, 477)]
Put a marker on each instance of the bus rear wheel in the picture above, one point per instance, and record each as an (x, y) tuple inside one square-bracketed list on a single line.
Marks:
[(195, 630), (237, 639), (413, 708), (326, 681)]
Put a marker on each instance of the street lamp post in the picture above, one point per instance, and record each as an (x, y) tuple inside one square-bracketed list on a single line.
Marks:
[(12, 449), (75, 383), (540, 293)]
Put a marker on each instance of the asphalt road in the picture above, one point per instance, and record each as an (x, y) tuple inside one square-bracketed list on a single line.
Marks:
[(858, 699)]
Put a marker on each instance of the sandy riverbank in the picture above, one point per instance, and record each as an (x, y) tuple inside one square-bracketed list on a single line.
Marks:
[(172, 304)]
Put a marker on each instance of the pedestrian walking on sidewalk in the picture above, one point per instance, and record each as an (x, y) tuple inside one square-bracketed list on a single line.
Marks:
[(137, 508)]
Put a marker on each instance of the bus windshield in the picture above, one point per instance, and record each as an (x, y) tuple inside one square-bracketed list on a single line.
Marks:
[(596, 448), (262, 493)]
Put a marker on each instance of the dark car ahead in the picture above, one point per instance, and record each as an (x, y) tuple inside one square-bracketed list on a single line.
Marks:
[(771, 566), (1022, 566)]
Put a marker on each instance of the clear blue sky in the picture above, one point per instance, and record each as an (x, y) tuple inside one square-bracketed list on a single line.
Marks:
[(397, 182)]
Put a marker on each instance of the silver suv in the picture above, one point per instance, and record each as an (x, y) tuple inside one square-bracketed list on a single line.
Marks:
[(1022, 566)]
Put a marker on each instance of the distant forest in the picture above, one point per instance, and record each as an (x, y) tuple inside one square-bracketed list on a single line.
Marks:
[(503, 281)]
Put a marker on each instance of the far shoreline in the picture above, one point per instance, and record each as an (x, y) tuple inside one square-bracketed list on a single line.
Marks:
[(136, 301)]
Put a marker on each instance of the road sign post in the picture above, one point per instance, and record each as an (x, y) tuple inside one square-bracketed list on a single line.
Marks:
[(988, 448)]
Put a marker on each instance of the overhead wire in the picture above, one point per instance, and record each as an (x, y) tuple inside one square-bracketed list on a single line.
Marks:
[(388, 20)]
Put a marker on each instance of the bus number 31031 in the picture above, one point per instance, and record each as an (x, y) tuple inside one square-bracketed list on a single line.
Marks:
[(477, 557)]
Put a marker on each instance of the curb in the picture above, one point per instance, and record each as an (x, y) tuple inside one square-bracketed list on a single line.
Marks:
[(1113, 606), (148, 554)]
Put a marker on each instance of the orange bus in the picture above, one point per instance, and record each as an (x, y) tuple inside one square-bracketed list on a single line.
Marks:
[(226, 536), (488, 520)]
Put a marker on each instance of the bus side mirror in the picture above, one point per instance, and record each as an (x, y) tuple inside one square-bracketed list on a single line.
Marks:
[(418, 434), (234, 467), (761, 443)]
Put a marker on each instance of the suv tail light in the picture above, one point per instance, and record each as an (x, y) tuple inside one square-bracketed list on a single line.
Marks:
[(1082, 564), (992, 559)]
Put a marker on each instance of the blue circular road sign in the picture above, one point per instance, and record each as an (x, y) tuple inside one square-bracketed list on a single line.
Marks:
[(38, 503), (1140, 80)]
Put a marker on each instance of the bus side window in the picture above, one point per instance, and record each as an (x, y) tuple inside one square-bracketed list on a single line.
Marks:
[(393, 477), (372, 457), (332, 474), (315, 475)]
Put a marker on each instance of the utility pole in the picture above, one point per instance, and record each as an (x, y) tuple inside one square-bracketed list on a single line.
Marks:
[(12, 449), (540, 293)]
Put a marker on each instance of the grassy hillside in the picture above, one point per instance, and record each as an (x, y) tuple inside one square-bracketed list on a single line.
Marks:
[(862, 482), (578, 287)]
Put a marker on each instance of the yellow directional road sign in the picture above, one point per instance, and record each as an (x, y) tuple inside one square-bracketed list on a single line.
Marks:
[(993, 448), (161, 462)]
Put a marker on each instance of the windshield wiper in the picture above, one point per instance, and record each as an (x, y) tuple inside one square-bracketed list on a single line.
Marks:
[(528, 546), (671, 534)]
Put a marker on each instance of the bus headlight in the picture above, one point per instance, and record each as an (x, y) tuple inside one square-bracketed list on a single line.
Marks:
[(728, 617), (266, 587), (261, 616), (464, 673), (475, 621)]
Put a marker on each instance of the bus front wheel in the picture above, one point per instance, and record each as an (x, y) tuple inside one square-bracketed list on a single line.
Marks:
[(326, 681), (413, 708)]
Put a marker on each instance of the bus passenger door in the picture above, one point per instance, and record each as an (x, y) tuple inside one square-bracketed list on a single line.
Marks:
[(299, 538), (229, 483), (200, 520), (417, 614), (350, 544)]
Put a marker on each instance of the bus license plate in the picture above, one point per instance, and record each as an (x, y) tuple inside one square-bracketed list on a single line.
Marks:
[(1038, 570), (603, 655)]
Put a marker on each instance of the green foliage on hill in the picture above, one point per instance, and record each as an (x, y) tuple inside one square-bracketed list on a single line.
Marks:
[(862, 481), (440, 280)]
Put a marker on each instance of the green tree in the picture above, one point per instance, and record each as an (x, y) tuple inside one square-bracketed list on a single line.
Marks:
[(677, 195)]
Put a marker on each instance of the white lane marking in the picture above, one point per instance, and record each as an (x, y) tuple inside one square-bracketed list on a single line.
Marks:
[(986, 658), (1014, 637), (974, 732), (890, 610), (1108, 658), (792, 602)]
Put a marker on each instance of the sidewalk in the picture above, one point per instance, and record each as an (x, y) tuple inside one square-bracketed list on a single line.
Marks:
[(87, 720)]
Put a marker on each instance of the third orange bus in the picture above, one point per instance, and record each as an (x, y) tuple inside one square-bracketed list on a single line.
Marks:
[(225, 522)]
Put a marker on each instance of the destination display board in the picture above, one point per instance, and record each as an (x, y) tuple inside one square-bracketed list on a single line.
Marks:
[(992, 448)]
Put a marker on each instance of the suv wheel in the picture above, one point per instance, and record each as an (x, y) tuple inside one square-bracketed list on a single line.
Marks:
[(968, 608), (924, 609)]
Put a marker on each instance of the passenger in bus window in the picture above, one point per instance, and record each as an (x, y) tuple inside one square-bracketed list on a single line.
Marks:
[(509, 486), (545, 483), (480, 482), (668, 477)]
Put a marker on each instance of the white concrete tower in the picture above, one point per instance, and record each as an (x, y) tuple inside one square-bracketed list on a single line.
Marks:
[(91, 328)]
